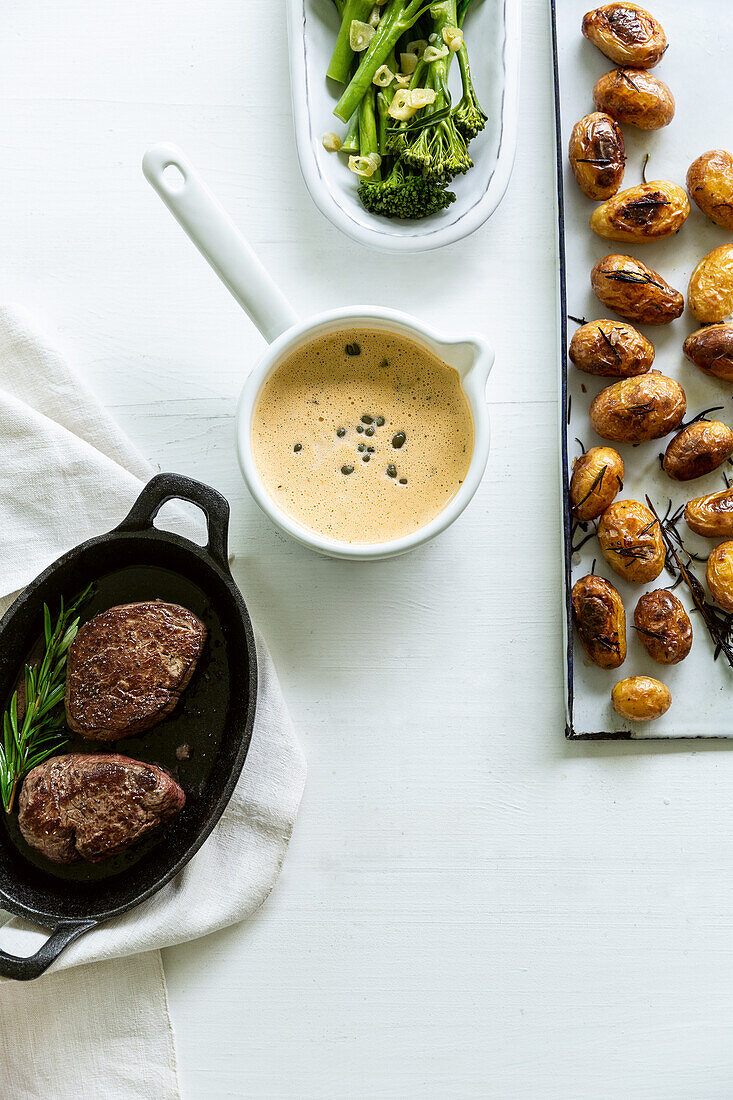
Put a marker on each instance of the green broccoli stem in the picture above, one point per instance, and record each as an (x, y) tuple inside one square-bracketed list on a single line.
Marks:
[(350, 144), (368, 137), (397, 18), (340, 65), (340, 5)]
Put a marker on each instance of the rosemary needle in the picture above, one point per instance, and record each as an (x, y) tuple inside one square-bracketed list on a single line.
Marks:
[(34, 730)]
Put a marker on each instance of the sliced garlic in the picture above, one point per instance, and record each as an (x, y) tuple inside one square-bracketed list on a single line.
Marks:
[(418, 46), (383, 77), (374, 17), (400, 107), (432, 53), (331, 142), (365, 166), (421, 97), (408, 62), (360, 35), (453, 38), (402, 79)]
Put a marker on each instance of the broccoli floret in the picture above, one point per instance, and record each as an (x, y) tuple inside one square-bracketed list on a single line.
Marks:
[(469, 115), (404, 195)]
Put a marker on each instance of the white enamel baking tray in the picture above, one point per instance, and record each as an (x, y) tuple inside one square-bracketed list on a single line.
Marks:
[(697, 69), (493, 35)]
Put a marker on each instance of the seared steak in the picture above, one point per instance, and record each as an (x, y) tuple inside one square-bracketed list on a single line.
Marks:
[(92, 807), (127, 667)]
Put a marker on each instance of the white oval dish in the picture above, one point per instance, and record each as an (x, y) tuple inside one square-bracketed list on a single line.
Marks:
[(492, 26)]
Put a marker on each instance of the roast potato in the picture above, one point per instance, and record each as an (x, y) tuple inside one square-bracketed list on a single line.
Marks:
[(600, 620), (635, 291), (711, 349), (698, 449), (631, 541), (641, 698), (626, 34), (649, 212), (663, 626), (711, 515), (719, 575), (635, 97), (637, 409), (710, 184), (612, 349), (598, 476), (710, 293), (597, 155)]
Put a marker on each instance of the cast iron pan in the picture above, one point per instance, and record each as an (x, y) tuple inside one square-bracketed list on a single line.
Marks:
[(203, 743)]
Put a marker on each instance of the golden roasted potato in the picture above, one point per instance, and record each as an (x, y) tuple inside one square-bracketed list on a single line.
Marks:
[(635, 291), (711, 515), (698, 449), (663, 626), (631, 541), (719, 575), (611, 349), (598, 477), (597, 155), (710, 293), (641, 698), (710, 183), (637, 409), (600, 620), (626, 34), (711, 349), (649, 212), (635, 97)]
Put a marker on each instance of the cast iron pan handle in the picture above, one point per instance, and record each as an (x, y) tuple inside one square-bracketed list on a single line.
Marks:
[(24, 970), (165, 487)]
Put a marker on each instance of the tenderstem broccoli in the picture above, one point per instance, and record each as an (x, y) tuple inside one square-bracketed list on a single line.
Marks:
[(397, 17)]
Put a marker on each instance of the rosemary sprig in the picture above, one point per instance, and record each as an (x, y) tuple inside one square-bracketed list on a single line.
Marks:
[(33, 729)]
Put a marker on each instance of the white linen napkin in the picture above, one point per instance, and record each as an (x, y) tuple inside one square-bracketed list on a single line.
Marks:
[(68, 473)]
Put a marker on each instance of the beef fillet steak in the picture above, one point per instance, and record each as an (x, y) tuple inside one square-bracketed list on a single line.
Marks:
[(127, 667), (93, 807)]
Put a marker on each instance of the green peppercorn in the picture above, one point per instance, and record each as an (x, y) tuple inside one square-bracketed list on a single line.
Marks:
[(369, 432), (399, 440), (298, 447), (391, 470), (367, 419), (347, 469), (379, 421), (341, 432), (361, 447)]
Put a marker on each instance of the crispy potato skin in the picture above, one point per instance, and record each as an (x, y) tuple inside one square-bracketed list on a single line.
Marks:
[(711, 349), (633, 290), (631, 541), (598, 477), (641, 698), (611, 349), (711, 515), (649, 212), (710, 293), (719, 575), (634, 97), (698, 449), (663, 626), (626, 34), (600, 620), (597, 155), (635, 410), (710, 184)]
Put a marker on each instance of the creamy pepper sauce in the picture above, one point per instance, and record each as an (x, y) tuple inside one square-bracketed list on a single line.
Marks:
[(363, 436)]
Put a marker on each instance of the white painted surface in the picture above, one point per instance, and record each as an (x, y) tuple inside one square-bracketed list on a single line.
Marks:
[(470, 906)]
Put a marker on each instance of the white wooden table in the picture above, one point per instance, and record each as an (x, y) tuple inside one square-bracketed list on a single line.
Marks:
[(470, 906)]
